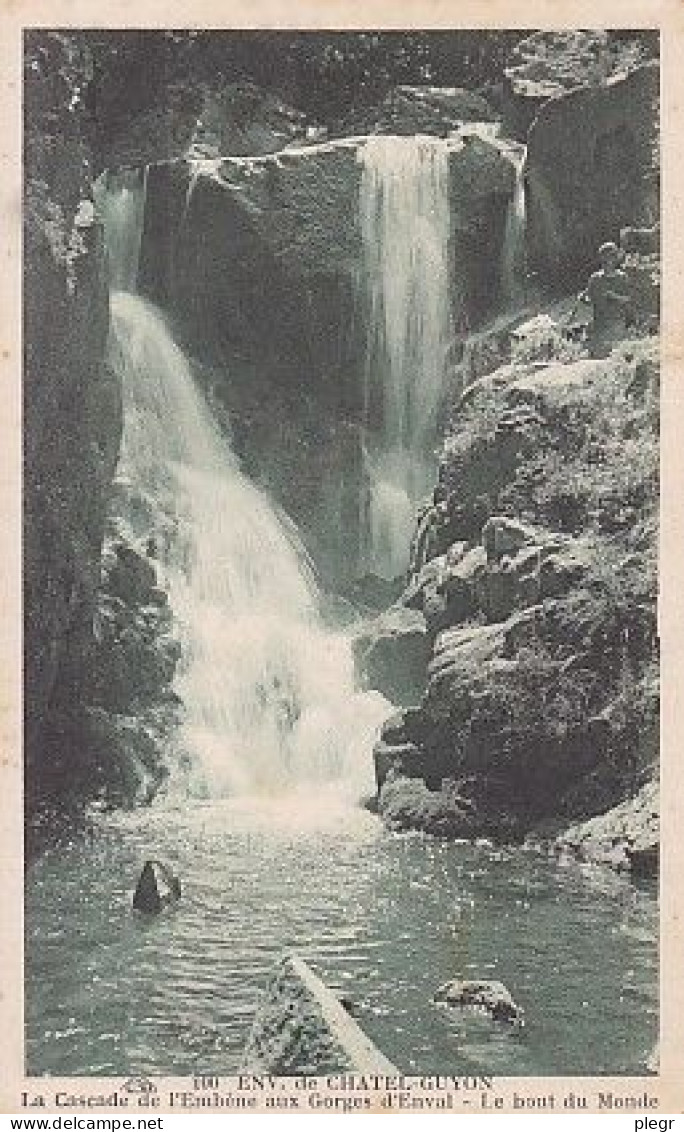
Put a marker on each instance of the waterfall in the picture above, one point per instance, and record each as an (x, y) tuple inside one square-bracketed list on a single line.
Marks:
[(513, 248), (268, 694), (405, 226), (120, 198)]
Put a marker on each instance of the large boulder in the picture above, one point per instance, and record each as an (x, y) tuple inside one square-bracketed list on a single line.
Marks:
[(592, 169), (258, 260), (392, 654), (625, 837)]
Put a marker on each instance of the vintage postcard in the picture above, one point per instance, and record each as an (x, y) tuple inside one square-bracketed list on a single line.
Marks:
[(342, 498)]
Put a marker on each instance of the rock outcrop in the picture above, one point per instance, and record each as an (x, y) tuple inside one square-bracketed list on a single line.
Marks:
[(392, 653), (301, 1027), (488, 996), (592, 168), (157, 888), (524, 648), (537, 584), (549, 64), (625, 837), (419, 110)]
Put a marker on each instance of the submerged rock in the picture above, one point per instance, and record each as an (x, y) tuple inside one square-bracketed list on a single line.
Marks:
[(491, 997), (72, 409), (156, 889)]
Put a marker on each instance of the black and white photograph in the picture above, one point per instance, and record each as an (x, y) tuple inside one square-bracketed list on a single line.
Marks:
[(341, 490)]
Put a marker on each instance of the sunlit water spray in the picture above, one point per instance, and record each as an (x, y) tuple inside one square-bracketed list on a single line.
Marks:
[(268, 694), (405, 226)]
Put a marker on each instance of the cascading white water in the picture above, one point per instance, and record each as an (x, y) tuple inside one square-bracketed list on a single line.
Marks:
[(513, 247), (405, 227), (268, 694)]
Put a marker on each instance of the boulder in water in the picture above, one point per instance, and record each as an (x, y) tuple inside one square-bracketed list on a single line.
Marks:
[(482, 994), (592, 169), (157, 887)]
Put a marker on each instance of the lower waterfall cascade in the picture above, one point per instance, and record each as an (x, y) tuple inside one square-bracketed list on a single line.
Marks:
[(268, 693)]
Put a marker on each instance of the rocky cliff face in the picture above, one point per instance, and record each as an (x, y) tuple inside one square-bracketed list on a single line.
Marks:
[(97, 663), (592, 168), (258, 259), (549, 64), (535, 576)]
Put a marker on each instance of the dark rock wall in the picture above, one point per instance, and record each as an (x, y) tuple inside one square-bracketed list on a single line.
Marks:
[(98, 663), (592, 168)]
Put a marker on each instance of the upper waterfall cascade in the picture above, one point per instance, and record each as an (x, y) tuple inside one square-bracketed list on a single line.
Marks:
[(268, 693), (405, 229)]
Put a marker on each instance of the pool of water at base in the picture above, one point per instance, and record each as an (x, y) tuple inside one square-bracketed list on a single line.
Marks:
[(385, 918)]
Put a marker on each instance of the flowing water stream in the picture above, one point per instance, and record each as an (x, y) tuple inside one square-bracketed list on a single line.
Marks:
[(272, 850), (405, 227)]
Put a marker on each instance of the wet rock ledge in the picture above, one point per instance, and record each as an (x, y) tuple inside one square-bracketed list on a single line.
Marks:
[(302, 1027)]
